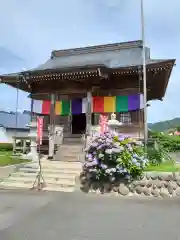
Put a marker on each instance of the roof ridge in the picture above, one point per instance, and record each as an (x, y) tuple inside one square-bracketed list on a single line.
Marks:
[(95, 48)]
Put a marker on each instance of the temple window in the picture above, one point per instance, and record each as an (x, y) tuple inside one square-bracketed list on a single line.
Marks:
[(125, 117)]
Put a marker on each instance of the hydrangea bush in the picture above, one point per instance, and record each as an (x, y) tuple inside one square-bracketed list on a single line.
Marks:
[(111, 157)]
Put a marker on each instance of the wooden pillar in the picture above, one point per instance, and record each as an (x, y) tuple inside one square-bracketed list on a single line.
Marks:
[(52, 127), (32, 105), (14, 144), (88, 113), (24, 146)]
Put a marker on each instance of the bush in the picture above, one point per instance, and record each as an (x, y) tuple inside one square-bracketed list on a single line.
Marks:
[(156, 153), (111, 157), (169, 143), (6, 147)]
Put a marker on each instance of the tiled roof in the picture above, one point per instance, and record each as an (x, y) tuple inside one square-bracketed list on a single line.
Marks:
[(8, 120)]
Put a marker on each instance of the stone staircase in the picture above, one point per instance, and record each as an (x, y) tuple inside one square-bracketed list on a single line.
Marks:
[(71, 150), (58, 176)]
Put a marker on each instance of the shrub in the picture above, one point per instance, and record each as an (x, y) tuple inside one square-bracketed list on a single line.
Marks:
[(111, 157), (169, 143), (6, 147), (157, 153)]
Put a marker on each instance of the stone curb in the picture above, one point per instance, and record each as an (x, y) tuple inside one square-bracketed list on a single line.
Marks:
[(152, 184)]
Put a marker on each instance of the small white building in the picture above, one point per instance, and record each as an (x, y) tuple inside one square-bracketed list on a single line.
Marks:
[(10, 126)]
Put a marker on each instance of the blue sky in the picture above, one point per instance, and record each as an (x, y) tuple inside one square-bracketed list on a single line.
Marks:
[(30, 30)]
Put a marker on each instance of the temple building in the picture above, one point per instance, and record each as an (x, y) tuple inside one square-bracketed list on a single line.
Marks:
[(74, 86)]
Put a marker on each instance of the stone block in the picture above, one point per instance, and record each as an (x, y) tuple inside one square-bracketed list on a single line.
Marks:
[(172, 184), (178, 183), (131, 188), (152, 175), (107, 187), (157, 183), (123, 190), (168, 177), (178, 192), (146, 191), (164, 193), (139, 189), (165, 176), (155, 192), (149, 183)]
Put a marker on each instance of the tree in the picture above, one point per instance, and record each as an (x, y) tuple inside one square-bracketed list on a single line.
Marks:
[(178, 128)]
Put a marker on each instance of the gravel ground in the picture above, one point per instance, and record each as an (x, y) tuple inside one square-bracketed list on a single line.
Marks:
[(75, 216)]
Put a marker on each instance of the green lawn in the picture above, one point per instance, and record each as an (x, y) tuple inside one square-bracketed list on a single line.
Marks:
[(7, 159), (168, 166)]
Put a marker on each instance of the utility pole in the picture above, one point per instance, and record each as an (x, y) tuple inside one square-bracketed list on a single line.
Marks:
[(144, 73)]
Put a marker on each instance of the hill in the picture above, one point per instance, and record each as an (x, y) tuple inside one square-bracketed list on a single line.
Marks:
[(164, 125)]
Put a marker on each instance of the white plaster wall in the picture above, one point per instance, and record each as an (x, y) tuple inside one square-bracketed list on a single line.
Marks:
[(3, 136)]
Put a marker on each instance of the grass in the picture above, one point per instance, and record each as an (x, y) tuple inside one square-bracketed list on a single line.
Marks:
[(7, 159), (168, 166)]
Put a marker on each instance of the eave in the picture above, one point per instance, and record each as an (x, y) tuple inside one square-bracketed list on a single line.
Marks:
[(31, 81)]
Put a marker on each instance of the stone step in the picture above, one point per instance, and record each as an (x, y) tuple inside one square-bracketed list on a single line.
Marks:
[(70, 135), (45, 175), (72, 140), (68, 158), (69, 151), (66, 165), (28, 170), (30, 180), (54, 164), (58, 189), (53, 171), (73, 147), (15, 185)]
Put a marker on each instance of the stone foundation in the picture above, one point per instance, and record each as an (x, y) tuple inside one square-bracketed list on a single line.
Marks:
[(153, 184)]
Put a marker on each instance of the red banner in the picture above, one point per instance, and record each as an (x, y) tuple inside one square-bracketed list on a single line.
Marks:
[(103, 123), (39, 130)]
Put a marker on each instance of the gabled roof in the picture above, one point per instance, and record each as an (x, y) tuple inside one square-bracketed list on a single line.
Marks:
[(8, 120)]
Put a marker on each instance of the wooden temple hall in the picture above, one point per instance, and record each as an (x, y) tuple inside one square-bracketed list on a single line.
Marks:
[(74, 86)]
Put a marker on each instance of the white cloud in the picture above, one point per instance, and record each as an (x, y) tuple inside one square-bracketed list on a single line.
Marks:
[(31, 29)]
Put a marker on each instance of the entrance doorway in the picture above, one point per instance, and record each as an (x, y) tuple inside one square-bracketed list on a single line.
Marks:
[(79, 123)]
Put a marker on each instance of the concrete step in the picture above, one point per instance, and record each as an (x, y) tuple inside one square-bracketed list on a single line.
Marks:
[(28, 170), (45, 175), (69, 152), (54, 164), (72, 147), (58, 176), (58, 189), (70, 135), (30, 180), (68, 158), (15, 185), (72, 141), (53, 171), (63, 165)]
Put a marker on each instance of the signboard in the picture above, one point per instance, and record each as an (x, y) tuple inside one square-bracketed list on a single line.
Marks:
[(103, 120), (39, 130)]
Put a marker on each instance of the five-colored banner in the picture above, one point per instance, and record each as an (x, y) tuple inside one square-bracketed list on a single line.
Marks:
[(100, 104)]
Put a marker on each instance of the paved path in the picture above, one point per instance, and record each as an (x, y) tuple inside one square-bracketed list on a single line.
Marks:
[(175, 156), (74, 216)]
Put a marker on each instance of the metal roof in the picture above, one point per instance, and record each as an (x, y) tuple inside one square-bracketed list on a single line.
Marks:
[(8, 120)]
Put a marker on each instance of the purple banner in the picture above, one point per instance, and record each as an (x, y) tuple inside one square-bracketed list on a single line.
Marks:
[(76, 106), (133, 102)]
